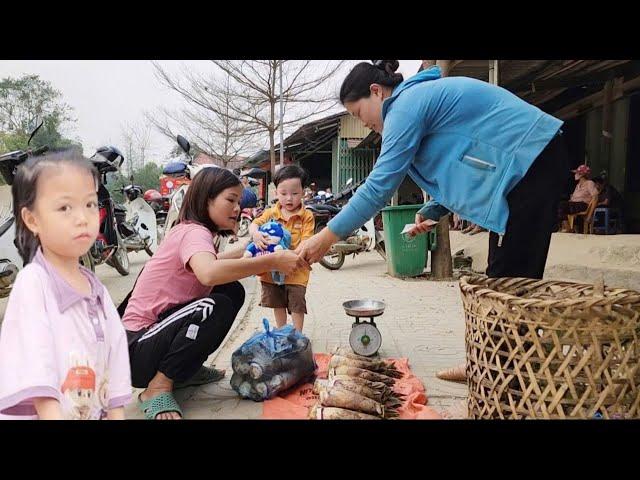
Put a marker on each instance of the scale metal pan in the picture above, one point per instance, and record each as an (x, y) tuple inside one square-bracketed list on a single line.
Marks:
[(364, 308)]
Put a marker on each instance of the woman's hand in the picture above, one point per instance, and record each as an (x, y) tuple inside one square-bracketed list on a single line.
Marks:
[(260, 239), (287, 261), (422, 225), (313, 249)]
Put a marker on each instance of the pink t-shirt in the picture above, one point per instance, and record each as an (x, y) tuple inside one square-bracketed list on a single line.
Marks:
[(584, 192), (56, 342), (167, 280)]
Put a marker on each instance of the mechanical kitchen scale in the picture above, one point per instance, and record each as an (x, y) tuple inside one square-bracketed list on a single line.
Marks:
[(365, 338)]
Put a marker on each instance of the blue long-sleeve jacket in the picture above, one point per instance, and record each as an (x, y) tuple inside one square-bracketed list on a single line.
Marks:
[(465, 142)]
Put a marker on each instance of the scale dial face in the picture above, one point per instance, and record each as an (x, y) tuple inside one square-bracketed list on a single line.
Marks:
[(365, 339)]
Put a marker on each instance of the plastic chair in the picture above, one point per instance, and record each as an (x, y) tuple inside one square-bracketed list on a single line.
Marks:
[(606, 221), (587, 214)]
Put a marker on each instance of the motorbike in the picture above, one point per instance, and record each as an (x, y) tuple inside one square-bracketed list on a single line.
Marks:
[(369, 236), (160, 205), (10, 260), (246, 217), (139, 228), (177, 197), (109, 247)]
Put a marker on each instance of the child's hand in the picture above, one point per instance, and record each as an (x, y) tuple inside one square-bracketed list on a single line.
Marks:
[(260, 240)]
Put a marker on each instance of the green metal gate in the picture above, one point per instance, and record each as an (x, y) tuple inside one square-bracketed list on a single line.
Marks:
[(355, 163)]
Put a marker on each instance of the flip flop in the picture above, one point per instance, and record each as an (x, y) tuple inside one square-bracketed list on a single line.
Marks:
[(203, 376), (163, 403)]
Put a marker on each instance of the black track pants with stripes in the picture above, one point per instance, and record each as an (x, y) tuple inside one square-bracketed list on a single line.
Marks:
[(184, 336)]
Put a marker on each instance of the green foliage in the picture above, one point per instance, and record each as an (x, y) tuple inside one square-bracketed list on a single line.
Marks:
[(147, 177)]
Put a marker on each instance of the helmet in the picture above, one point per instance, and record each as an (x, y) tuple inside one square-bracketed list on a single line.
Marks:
[(110, 153), (152, 195)]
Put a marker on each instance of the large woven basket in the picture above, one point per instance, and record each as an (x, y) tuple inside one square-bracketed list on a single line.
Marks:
[(549, 349)]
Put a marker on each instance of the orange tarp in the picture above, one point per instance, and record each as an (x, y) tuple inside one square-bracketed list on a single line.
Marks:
[(295, 403)]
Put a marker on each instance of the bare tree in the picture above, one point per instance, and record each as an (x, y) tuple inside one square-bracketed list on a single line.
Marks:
[(128, 143), (142, 135), (209, 127), (137, 139), (250, 97)]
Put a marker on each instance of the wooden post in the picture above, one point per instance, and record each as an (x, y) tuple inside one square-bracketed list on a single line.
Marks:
[(426, 64), (441, 263), (607, 134)]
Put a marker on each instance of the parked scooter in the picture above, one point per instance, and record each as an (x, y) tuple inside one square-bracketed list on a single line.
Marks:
[(246, 217), (362, 240), (138, 229), (10, 260), (160, 205), (178, 196), (109, 247)]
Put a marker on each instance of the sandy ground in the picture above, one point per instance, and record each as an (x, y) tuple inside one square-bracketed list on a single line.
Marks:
[(577, 257)]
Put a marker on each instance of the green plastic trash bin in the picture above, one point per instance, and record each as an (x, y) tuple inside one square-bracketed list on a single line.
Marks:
[(406, 256)]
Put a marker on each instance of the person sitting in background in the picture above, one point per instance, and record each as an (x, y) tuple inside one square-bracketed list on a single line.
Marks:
[(249, 198), (580, 198), (608, 196)]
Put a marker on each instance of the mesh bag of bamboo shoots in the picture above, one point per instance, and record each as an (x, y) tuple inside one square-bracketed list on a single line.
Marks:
[(271, 362)]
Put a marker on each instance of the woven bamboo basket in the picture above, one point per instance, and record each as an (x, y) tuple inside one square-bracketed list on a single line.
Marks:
[(551, 349)]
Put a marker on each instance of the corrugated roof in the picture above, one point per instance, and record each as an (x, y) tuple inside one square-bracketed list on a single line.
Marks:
[(310, 135), (257, 158), (540, 81), (312, 131)]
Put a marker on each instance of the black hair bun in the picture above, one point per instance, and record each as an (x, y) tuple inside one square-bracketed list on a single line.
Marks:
[(389, 66)]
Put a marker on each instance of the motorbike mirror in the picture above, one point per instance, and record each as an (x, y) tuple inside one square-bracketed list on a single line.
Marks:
[(38, 122), (131, 178), (184, 143)]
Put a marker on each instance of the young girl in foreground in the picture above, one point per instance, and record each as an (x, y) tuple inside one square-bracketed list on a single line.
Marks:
[(63, 349)]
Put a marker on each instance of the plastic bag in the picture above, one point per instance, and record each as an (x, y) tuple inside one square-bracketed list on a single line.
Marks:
[(271, 362)]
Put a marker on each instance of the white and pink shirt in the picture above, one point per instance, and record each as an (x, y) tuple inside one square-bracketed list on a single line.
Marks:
[(56, 342)]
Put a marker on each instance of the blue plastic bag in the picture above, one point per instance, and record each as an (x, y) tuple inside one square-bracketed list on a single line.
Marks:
[(271, 362)]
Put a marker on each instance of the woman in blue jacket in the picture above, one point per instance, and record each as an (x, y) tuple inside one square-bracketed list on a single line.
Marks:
[(475, 148)]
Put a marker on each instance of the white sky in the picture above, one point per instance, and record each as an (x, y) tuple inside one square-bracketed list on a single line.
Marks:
[(106, 94)]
